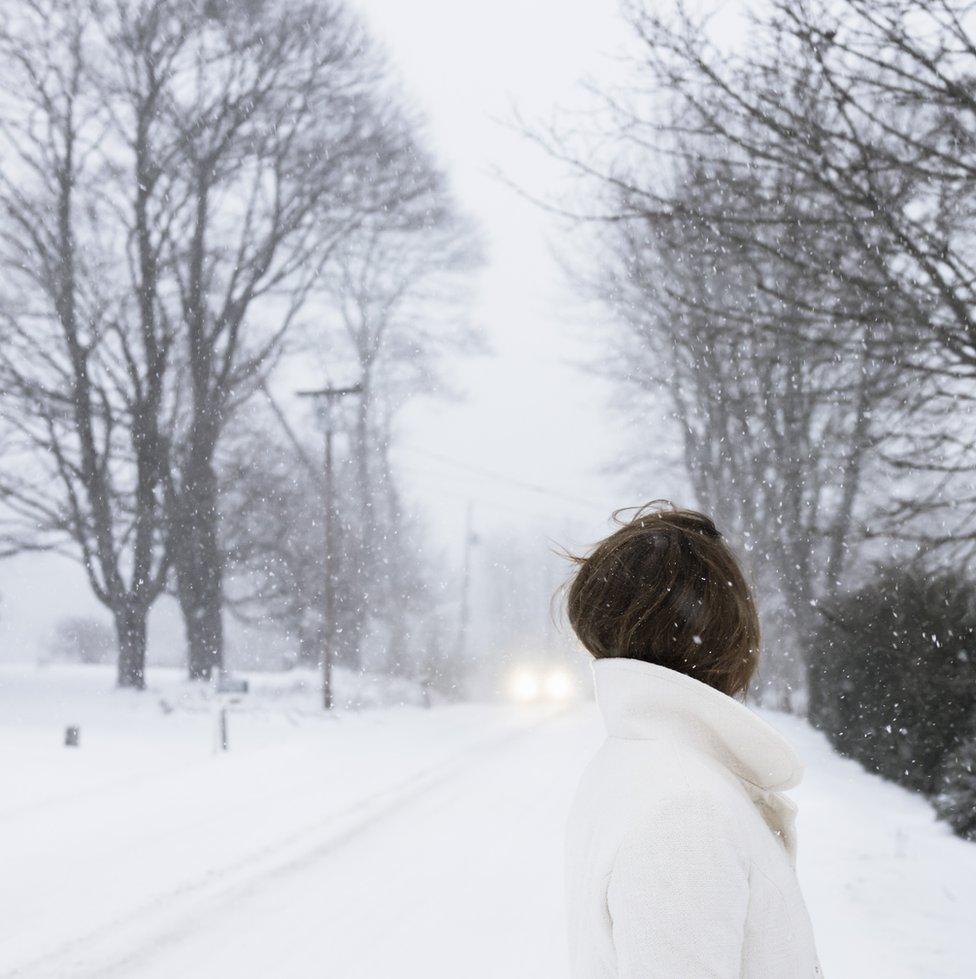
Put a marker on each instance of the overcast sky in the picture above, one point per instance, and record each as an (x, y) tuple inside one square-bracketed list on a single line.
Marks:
[(529, 413)]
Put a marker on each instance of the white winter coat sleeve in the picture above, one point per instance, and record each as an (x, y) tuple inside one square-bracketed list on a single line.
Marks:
[(678, 895)]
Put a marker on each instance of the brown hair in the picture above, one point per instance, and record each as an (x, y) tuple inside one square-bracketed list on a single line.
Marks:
[(666, 588)]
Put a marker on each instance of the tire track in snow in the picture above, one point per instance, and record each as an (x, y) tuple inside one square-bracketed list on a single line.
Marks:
[(97, 954)]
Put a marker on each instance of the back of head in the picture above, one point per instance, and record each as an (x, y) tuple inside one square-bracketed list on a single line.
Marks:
[(665, 588)]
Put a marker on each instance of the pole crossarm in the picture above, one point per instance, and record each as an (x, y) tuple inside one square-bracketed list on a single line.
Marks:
[(331, 392)]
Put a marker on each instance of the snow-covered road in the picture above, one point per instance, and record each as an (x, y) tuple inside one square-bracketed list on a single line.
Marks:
[(458, 875), (396, 842)]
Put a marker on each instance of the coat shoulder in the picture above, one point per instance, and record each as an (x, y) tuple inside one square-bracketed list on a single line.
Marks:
[(667, 770), (631, 785)]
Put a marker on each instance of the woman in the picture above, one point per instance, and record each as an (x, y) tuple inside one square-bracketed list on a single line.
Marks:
[(680, 850)]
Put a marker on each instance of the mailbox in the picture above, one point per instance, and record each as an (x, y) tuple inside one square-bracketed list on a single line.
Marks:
[(228, 689), (231, 684)]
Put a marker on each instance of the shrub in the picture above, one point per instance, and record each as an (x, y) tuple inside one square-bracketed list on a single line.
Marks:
[(892, 672), (81, 639), (956, 801)]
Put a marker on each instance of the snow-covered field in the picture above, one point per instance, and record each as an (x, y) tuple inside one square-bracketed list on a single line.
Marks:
[(394, 841)]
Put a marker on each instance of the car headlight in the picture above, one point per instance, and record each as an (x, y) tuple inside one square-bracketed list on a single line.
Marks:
[(559, 685), (524, 686)]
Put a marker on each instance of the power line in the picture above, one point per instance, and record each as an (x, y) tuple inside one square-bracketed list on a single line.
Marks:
[(447, 460), (458, 492), (500, 477)]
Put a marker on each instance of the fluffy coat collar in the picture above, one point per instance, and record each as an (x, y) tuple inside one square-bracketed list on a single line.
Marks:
[(641, 700)]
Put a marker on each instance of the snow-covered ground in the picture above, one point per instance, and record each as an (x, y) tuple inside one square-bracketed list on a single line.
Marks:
[(394, 841)]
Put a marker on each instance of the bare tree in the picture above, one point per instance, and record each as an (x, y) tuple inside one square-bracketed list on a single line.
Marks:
[(392, 301), (85, 363), (750, 305), (203, 161), (398, 287), (775, 428), (272, 532), (289, 140), (868, 104)]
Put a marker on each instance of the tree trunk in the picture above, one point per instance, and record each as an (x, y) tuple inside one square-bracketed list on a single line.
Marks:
[(130, 631), (850, 483), (199, 570)]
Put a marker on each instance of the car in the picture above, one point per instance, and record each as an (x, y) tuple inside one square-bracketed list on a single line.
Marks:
[(541, 684)]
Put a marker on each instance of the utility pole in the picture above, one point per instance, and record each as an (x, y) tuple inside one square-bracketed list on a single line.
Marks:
[(329, 397), (464, 611), (550, 590)]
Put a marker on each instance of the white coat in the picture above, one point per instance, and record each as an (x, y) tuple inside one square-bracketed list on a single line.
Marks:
[(680, 845)]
